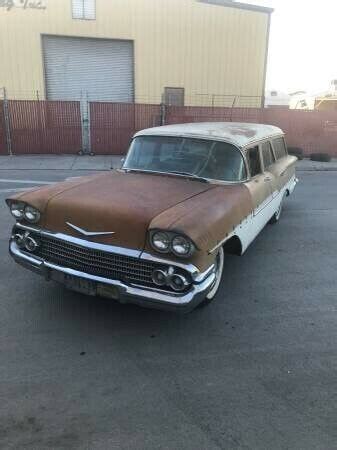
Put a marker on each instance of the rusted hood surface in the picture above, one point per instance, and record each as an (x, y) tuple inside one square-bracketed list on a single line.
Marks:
[(123, 203), (209, 217)]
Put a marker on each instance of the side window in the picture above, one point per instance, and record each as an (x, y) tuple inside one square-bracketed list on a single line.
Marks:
[(279, 148), (84, 9), (253, 156), (267, 153)]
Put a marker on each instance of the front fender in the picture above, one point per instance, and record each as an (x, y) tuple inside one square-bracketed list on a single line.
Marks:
[(208, 217)]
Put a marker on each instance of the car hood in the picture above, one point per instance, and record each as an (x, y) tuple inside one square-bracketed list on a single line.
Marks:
[(117, 202)]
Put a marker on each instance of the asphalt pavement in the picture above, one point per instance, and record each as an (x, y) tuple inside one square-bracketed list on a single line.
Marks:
[(257, 369)]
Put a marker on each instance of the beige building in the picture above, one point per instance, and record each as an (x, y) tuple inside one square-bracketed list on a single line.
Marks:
[(192, 52)]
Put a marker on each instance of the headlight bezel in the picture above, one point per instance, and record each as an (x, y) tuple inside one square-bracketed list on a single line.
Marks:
[(165, 237), (19, 207), (170, 248), (32, 210), (27, 211), (183, 240)]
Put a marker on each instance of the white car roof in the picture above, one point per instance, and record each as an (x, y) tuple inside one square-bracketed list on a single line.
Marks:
[(239, 134)]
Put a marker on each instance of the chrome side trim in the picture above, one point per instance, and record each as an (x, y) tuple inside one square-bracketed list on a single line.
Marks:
[(221, 243)]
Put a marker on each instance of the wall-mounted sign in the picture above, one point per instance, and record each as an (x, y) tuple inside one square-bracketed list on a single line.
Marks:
[(23, 4)]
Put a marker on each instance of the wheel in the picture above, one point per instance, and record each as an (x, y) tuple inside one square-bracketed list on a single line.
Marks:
[(277, 215), (219, 266)]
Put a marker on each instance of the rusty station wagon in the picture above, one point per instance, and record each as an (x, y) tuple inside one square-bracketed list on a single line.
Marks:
[(156, 231)]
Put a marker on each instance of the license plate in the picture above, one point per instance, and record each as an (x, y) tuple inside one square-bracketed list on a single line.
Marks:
[(80, 285), (77, 284), (108, 291)]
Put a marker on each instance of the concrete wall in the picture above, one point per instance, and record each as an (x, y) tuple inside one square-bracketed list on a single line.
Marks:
[(206, 49)]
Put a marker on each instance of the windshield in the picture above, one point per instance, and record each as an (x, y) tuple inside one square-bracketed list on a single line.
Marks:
[(202, 158)]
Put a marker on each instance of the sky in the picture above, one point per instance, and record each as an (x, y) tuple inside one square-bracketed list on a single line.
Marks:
[(303, 46)]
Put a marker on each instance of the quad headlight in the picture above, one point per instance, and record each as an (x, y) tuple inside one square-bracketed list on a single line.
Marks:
[(181, 246), (165, 242), (32, 214), (21, 210), (17, 210), (161, 241)]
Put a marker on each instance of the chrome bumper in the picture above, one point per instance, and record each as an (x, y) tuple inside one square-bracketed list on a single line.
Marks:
[(146, 297)]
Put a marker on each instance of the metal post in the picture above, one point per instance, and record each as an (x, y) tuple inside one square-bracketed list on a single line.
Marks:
[(263, 101), (85, 120), (162, 113), (88, 126), (233, 104), (7, 123)]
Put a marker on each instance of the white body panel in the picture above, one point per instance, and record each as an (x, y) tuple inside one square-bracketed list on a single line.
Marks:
[(249, 229)]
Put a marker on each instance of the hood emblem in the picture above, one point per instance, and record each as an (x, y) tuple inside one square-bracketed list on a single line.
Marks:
[(90, 233)]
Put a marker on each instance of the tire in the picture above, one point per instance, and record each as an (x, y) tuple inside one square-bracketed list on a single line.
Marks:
[(219, 261), (277, 215)]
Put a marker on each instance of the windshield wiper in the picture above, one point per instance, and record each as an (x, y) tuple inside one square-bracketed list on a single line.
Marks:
[(191, 176), (184, 174)]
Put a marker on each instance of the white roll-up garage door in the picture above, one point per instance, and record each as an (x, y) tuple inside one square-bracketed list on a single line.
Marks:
[(97, 69)]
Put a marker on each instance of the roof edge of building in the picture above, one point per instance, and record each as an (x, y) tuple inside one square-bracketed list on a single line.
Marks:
[(238, 5)]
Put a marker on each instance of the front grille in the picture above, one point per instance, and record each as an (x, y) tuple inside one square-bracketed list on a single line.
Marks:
[(97, 262)]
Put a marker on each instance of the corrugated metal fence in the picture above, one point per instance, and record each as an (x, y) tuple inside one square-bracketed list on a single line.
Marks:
[(313, 131), (44, 127), (60, 127), (3, 146), (112, 125)]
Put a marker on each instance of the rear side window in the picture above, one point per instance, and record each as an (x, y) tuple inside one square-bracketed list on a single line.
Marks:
[(268, 156), (279, 148), (253, 156)]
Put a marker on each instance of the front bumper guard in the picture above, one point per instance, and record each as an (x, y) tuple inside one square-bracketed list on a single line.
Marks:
[(146, 297)]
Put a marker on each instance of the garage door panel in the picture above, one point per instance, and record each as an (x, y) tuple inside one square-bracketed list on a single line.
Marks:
[(99, 68)]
